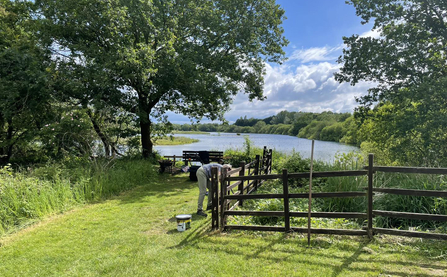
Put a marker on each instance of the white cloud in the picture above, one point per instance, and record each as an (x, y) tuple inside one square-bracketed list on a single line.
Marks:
[(317, 54), (371, 33), (308, 88), (299, 85)]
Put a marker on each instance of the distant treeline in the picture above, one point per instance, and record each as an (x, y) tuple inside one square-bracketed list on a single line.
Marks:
[(328, 126)]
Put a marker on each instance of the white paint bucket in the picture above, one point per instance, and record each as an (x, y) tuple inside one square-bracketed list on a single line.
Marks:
[(183, 222)]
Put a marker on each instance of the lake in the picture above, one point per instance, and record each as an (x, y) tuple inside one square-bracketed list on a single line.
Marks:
[(324, 150)]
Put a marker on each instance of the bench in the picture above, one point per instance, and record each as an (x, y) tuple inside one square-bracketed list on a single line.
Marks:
[(204, 157)]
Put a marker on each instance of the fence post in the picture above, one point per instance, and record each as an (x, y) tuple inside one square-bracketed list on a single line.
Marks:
[(241, 185), (214, 191), (264, 157), (270, 161), (257, 171), (370, 194), (223, 201), (285, 191)]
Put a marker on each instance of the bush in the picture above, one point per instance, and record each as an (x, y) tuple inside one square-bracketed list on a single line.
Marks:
[(295, 164)]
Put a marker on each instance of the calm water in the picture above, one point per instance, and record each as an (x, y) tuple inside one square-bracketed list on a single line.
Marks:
[(324, 150)]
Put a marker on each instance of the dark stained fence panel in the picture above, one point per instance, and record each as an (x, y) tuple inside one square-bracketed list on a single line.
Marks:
[(413, 192), (419, 216), (410, 234), (331, 231), (330, 214), (419, 170)]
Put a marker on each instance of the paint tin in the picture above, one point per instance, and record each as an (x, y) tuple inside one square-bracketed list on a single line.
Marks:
[(183, 222)]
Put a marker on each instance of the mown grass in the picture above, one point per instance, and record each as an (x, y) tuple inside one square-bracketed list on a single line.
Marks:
[(134, 234), (175, 141)]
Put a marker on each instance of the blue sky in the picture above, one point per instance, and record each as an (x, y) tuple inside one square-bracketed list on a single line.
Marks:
[(305, 82)]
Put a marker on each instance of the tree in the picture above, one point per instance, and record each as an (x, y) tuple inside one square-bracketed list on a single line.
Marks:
[(25, 75), (407, 65), (186, 56)]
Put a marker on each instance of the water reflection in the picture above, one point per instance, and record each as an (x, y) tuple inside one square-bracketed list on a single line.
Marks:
[(324, 150)]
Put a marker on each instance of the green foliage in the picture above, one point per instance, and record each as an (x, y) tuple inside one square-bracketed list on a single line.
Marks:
[(169, 56), (26, 78), (296, 164), (313, 130), (333, 132), (247, 154), (350, 161), (31, 194), (405, 111), (411, 204)]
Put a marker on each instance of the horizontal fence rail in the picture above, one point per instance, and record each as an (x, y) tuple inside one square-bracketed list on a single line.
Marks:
[(412, 192), (246, 184)]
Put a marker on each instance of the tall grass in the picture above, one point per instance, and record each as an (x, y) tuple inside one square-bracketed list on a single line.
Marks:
[(28, 195)]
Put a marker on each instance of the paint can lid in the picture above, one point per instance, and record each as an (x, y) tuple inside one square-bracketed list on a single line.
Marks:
[(183, 216)]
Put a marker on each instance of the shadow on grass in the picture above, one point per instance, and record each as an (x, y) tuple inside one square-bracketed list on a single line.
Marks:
[(279, 248), (342, 256), (165, 186)]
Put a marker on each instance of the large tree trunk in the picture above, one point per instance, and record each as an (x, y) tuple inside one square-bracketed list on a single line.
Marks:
[(145, 127), (105, 140)]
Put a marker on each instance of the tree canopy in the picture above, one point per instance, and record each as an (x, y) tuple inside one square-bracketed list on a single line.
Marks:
[(185, 56), (405, 110)]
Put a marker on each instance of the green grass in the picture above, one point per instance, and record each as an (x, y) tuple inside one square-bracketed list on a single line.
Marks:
[(134, 234), (175, 141), (28, 195)]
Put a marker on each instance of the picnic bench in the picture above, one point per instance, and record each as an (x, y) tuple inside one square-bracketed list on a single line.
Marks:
[(204, 157)]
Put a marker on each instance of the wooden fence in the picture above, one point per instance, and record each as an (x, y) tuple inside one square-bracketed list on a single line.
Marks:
[(222, 208), (255, 170)]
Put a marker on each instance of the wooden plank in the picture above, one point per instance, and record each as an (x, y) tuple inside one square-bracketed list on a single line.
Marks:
[(370, 194), (236, 204), (331, 231), (214, 199), (419, 170), (285, 187), (309, 208), (241, 183), (347, 173), (223, 201), (330, 214), (419, 216), (254, 196), (329, 194), (256, 213), (257, 183), (232, 186), (249, 165), (252, 183), (254, 228), (413, 192), (259, 177), (297, 195), (410, 234), (298, 214), (232, 171)]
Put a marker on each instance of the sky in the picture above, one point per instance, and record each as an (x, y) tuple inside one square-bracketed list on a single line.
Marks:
[(305, 82)]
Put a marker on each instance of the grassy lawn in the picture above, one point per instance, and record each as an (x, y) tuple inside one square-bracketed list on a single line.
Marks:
[(135, 234), (175, 141)]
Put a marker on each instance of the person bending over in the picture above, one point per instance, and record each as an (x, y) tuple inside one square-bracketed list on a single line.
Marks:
[(204, 179)]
